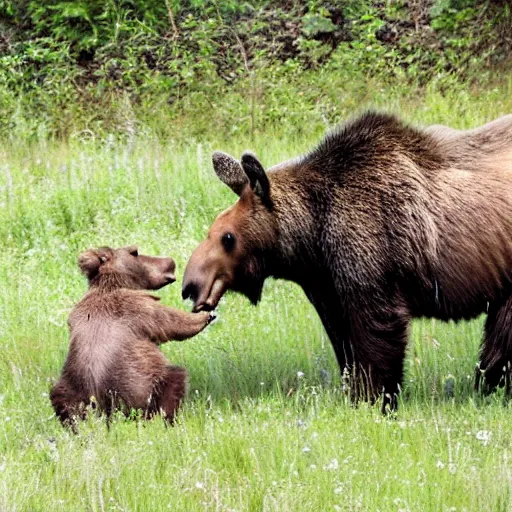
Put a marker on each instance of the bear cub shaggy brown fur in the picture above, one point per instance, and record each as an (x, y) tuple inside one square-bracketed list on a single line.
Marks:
[(114, 361)]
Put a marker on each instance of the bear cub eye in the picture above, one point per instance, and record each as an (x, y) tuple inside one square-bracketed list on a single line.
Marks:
[(228, 241)]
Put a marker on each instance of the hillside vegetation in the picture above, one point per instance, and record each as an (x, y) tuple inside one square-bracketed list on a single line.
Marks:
[(81, 68)]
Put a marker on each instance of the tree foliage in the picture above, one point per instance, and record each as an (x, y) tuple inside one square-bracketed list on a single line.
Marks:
[(67, 56)]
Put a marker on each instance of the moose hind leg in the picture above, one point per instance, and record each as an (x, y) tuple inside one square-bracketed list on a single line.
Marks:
[(496, 353)]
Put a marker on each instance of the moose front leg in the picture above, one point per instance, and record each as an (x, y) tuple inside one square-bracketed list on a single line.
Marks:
[(369, 344), (378, 340)]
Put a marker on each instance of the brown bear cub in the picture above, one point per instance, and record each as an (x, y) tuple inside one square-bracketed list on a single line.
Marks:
[(114, 361)]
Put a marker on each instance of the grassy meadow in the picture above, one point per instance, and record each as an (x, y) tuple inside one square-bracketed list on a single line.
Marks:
[(267, 425)]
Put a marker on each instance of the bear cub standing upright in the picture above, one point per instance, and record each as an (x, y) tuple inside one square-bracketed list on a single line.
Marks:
[(115, 330)]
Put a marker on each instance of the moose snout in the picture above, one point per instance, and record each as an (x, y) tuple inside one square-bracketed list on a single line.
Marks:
[(204, 281), (196, 287), (190, 290), (194, 278)]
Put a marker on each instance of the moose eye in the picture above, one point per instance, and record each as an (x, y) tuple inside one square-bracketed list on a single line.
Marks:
[(228, 241)]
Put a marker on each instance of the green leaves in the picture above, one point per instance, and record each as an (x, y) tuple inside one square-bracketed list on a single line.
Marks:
[(67, 65), (314, 24)]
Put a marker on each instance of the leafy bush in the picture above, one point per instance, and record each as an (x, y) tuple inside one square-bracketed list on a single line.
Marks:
[(96, 66)]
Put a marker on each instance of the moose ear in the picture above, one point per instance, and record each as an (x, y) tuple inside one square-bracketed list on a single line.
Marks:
[(257, 176), (90, 262), (132, 249), (230, 172)]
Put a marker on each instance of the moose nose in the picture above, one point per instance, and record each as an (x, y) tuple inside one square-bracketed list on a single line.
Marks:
[(190, 290)]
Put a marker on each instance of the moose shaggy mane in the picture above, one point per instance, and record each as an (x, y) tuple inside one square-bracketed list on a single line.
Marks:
[(371, 136)]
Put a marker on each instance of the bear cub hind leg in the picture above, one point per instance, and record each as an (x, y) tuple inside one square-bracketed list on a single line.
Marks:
[(68, 405), (172, 390)]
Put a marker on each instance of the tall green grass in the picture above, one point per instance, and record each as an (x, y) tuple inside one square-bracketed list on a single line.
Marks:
[(267, 425)]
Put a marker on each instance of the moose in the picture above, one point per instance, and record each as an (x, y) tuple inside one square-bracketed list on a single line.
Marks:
[(381, 223)]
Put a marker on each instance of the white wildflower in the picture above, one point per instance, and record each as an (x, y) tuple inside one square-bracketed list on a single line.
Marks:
[(484, 436), (332, 466)]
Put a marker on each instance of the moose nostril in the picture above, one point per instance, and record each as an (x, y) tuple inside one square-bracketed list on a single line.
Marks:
[(190, 290)]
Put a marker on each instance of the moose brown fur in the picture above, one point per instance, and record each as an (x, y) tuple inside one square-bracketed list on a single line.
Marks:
[(115, 332), (381, 223)]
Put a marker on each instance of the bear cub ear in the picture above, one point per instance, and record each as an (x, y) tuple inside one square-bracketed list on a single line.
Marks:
[(90, 261)]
